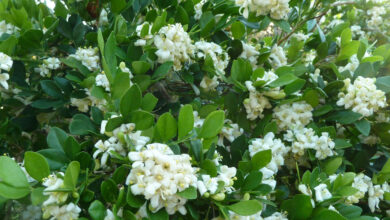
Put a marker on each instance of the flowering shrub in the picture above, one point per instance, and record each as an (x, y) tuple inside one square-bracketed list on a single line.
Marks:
[(189, 109)]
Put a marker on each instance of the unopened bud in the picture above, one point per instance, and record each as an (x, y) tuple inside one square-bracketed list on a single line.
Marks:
[(247, 196), (219, 196), (75, 195)]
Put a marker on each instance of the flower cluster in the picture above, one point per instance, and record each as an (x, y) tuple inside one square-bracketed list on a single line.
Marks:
[(277, 9), (5, 64), (159, 175), (51, 63), (278, 149), (256, 103), (89, 57), (173, 44), (55, 207), (362, 96), (7, 28), (297, 114), (219, 57), (305, 138)]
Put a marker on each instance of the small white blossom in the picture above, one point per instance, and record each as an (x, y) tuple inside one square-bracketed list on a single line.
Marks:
[(256, 103), (277, 9), (277, 57), (101, 80), (322, 193), (66, 212), (89, 57), (219, 57), (173, 44), (250, 53), (209, 84), (362, 96), (292, 115)]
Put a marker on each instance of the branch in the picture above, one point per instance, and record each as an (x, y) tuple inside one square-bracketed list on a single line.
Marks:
[(285, 38)]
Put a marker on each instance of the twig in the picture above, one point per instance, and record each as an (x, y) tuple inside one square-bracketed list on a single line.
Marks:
[(285, 38)]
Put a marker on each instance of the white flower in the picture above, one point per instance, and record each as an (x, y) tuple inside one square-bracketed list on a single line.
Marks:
[(305, 138), (362, 96), (361, 182), (4, 77), (81, 104), (375, 194), (256, 103), (89, 57), (277, 216), (309, 57), (297, 114), (352, 65), (250, 53), (234, 216), (158, 175), (277, 57), (219, 57), (53, 183), (209, 84), (112, 144), (5, 62), (147, 36), (207, 184), (101, 80), (230, 131), (109, 215), (32, 213), (322, 193), (269, 142), (103, 19), (52, 63), (173, 44), (300, 36), (375, 14), (138, 140), (65, 212), (198, 9), (124, 69), (305, 190), (278, 9), (198, 122), (7, 28)]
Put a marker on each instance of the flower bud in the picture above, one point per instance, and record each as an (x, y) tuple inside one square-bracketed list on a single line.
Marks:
[(75, 195), (219, 196), (247, 196), (275, 94)]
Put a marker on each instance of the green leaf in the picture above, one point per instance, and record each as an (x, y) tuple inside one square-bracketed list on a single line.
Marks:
[(189, 193), (294, 86), (246, 208), (72, 175), (81, 125), (252, 181), (110, 57), (210, 167), (97, 211), (363, 126), (113, 123), (142, 120), (71, 147), (149, 101), (121, 85), (348, 50), (345, 117), (109, 190), (271, 127), (117, 6), (311, 97), (13, 181), (212, 124), (51, 88), (36, 165), (160, 215), (56, 138), (130, 101), (372, 59), (206, 23), (383, 83), (331, 165), (349, 211), (37, 197), (241, 70), (238, 30), (346, 37), (326, 214), (162, 70), (140, 67), (134, 201), (166, 126), (186, 121), (341, 143), (283, 80), (72, 62), (299, 207), (261, 159)]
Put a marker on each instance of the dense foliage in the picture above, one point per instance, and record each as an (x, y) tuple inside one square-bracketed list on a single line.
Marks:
[(195, 109)]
